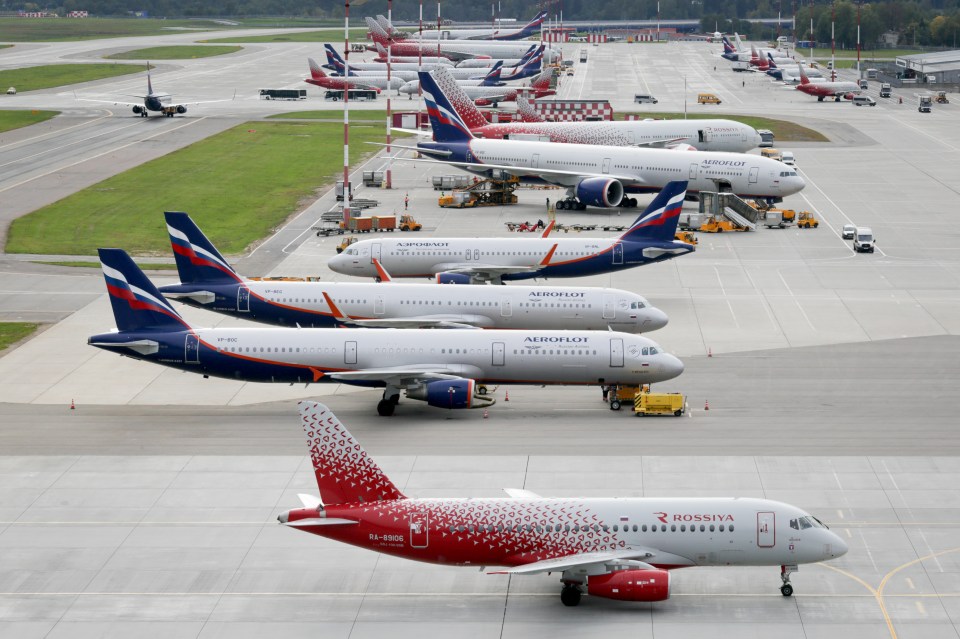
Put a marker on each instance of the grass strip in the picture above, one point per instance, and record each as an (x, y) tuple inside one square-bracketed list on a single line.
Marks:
[(360, 115), (58, 75), (10, 120), (67, 29), (237, 185), (326, 35), (184, 52), (783, 131), (143, 266), (13, 332)]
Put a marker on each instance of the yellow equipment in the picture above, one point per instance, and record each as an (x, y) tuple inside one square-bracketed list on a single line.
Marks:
[(942, 97), (647, 403), (619, 395), (345, 242), (407, 223), (779, 218), (686, 236), (707, 98), (487, 192), (806, 220), (714, 225)]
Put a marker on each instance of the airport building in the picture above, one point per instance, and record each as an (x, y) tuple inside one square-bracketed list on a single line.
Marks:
[(941, 67)]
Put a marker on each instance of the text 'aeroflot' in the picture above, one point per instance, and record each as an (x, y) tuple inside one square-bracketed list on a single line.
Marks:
[(441, 368), (207, 281), (612, 548)]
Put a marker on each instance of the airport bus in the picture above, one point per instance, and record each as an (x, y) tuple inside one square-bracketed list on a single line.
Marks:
[(355, 94)]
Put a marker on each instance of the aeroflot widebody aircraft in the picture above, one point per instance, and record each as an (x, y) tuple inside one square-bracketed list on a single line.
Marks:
[(207, 281), (704, 135), (598, 175), (440, 367), (612, 548), (477, 260)]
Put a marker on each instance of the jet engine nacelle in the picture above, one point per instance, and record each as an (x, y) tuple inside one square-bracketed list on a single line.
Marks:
[(452, 278), (631, 585), (454, 393), (181, 109), (137, 110), (602, 192)]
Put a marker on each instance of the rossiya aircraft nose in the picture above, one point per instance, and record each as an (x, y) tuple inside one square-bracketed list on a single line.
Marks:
[(837, 547)]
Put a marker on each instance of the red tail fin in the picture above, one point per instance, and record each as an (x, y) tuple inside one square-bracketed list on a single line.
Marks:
[(316, 72)]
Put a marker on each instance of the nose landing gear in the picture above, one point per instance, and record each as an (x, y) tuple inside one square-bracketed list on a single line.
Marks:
[(785, 571)]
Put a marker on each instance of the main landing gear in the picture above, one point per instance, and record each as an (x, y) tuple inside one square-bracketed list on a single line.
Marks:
[(785, 571), (387, 405), (570, 595), (570, 204)]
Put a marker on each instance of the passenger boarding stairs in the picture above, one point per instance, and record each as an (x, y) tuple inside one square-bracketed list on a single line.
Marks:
[(730, 206)]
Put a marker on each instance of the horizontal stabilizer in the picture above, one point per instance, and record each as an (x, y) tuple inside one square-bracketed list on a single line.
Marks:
[(321, 521), (521, 493)]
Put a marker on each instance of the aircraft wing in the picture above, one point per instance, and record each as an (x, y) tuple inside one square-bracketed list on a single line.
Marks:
[(633, 557), (402, 377), (414, 322), (661, 143), (113, 102)]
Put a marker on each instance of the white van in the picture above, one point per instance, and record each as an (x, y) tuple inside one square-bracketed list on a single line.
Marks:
[(863, 100), (788, 158), (642, 98), (863, 240)]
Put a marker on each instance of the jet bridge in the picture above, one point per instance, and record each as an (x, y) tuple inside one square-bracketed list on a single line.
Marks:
[(730, 206)]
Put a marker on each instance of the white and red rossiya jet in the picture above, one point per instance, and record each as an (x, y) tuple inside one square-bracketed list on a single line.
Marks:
[(823, 90), (615, 548)]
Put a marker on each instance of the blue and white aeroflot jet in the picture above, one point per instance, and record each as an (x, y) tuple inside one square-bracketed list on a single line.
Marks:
[(441, 368), (207, 281), (157, 102), (476, 260)]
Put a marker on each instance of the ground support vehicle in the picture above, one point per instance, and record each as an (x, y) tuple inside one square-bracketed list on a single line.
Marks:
[(942, 97), (407, 223), (489, 192), (779, 218), (807, 220), (647, 403), (345, 242)]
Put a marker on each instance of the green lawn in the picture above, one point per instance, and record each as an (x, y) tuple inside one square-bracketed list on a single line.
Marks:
[(10, 120), (185, 52), (143, 266), (56, 75), (373, 115), (783, 131), (882, 54), (64, 29), (237, 185), (326, 35), (5, 46), (12, 332)]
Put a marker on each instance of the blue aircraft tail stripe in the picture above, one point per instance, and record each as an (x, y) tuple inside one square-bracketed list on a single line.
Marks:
[(659, 220), (447, 125), (137, 304)]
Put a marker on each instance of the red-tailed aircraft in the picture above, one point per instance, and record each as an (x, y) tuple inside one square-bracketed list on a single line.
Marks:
[(321, 79), (615, 548), (822, 90)]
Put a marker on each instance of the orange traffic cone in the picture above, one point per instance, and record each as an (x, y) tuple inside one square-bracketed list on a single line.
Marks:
[(706, 405), (486, 413), (506, 396), (72, 405)]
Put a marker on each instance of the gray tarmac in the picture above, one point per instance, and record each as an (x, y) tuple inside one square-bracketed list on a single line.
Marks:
[(831, 379)]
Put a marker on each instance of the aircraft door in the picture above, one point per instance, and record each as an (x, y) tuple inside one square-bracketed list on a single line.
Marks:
[(766, 530), (419, 535), (378, 305), (617, 253), (535, 161), (349, 352), (609, 307), (243, 299), (707, 134), (375, 252), (754, 174), (499, 354), (631, 138), (191, 351), (606, 165), (506, 309), (693, 171), (476, 254), (616, 352)]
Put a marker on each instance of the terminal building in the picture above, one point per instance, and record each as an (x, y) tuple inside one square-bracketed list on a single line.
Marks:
[(941, 67)]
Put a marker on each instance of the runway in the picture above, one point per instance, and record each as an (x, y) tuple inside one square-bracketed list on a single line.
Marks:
[(150, 508)]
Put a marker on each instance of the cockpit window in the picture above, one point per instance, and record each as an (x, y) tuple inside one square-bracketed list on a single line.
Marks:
[(636, 305), (646, 350), (653, 351), (802, 523), (788, 173), (351, 251)]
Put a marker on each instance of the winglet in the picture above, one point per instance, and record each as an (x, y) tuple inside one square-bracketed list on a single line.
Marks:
[(546, 260), (338, 315), (549, 228), (381, 272)]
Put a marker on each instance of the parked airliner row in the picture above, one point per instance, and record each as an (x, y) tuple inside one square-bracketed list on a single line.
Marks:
[(207, 281), (484, 259), (704, 135), (440, 367), (614, 548), (598, 175)]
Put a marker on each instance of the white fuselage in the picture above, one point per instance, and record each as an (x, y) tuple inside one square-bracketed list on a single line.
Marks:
[(746, 175), (501, 307), (486, 63), (497, 356), (474, 92)]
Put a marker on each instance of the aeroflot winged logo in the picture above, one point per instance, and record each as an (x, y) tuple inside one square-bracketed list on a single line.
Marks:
[(197, 255), (138, 299), (660, 216)]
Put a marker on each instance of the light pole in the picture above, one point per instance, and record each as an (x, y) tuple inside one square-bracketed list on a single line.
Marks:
[(346, 114), (389, 183)]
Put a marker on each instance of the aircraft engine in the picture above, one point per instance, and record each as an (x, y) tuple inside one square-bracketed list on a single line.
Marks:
[(137, 110), (452, 278), (454, 393), (181, 109), (602, 192), (631, 585)]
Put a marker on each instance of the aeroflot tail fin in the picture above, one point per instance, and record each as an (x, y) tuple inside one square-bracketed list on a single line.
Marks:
[(137, 304), (446, 124), (198, 260), (773, 65), (149, 84), (344, 471), (659, 220), (492, 78), (331, 52)]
